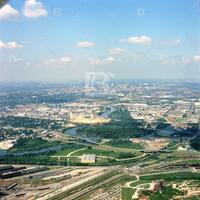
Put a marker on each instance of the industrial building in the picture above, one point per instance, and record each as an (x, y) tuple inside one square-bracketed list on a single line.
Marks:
[(88, 158)]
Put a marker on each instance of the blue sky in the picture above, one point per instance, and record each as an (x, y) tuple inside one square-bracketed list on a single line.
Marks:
[(135, 39)]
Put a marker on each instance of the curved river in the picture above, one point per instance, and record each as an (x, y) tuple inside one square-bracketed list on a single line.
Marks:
[(71, 131)]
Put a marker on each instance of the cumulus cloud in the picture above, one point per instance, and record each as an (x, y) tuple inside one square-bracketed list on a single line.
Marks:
[(85, 44), (98, 61), (9, 45), (62, 60), (110, 60), (33, 9), (137, 40), (7, 12), (116, 51)]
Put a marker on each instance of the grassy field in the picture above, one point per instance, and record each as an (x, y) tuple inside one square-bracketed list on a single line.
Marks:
[(32, 144), (186, 154), (118, 149), (179, 155), (107, 154), (176, 176), (113, 154), (66, 151), (127, 193)]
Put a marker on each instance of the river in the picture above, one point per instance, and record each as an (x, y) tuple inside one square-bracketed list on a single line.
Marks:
[(71, 131)]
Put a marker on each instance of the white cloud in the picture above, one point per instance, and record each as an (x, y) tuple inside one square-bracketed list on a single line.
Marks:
[(7, 12), (9, 45), (196, 58), (137, 40), (116, 51), (33, 8), (110, 60), (97, 61), (85, 44), (62, 60)]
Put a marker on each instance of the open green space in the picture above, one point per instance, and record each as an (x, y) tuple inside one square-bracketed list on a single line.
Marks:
[(105, 153), (124, 144), (70, 147), (32, 144), (127, 193), (49, 156), (122, 126), (176, 176)]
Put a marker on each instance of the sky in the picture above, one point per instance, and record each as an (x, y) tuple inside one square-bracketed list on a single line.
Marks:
[(51, 40)]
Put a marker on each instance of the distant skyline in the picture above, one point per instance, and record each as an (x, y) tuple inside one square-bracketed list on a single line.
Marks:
[(131, 39)]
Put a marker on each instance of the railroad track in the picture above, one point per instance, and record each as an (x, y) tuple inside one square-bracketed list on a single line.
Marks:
[(88, 188)]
